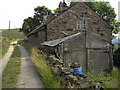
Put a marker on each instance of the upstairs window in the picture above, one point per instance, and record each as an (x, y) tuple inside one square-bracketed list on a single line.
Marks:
[(82, 24)]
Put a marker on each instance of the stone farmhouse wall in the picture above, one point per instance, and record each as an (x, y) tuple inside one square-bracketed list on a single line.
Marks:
[(66, 23), (93, 53), (33, 40)]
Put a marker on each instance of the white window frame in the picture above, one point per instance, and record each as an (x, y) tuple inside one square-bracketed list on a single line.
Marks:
[(82, 24)]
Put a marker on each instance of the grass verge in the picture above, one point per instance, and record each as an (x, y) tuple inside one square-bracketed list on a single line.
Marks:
[(5, 46), (12, 70), (110, 80), (39, 61)]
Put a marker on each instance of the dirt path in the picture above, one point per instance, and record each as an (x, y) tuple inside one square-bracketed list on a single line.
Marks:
[(6, 58), (28, 78), (3, 62)]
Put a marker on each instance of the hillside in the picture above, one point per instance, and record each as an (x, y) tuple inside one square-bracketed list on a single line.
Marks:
[(8, 37), (13, 34)]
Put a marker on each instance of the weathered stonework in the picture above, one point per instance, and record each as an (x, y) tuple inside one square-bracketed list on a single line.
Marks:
[(67, 78), (93, 48), (33, 40), (66, 23)]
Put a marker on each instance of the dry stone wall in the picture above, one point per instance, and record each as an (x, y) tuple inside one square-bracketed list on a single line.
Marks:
[(67, 78)]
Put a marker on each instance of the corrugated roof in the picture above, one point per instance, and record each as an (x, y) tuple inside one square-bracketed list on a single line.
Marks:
[(58, 41)]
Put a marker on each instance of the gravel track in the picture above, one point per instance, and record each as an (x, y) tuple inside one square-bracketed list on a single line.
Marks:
[(28, 78)]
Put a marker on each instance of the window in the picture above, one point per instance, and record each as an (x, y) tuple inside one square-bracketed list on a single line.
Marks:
[(82, 24)]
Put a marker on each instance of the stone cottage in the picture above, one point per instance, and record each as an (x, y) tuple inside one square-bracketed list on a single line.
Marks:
[(79, 34)]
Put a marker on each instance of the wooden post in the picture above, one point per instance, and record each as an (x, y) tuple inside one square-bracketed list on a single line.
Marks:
[(119, 11), (9, 31), (86, 52)]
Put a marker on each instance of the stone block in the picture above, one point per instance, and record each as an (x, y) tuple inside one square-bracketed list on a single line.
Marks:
[(71, 77), (55, 71)]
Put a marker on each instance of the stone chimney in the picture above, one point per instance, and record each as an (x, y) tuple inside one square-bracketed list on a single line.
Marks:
[(62, 6), (45, 16)]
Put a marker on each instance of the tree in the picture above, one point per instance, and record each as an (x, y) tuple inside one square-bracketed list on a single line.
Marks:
[(56, 11), (30, 23), (105, 10), (27, 26)]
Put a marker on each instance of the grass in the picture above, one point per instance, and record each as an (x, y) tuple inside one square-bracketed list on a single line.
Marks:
[(110, 80), (12, 70), (8, 37), (13, 34), (39, 61), (5, 45)]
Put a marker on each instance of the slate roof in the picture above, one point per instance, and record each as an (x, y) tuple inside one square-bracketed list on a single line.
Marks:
[(58, 41), (49, 20), (44, 23)]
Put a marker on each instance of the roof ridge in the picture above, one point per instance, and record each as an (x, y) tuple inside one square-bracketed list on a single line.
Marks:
[(55, 16)]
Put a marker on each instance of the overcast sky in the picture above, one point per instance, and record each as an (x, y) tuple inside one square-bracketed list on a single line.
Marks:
[(17, 10)]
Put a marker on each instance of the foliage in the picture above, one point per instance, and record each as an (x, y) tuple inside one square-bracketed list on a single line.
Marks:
[(105, 10), (117, 50), (31, 23), (40, 63), (56, 11), (12, 70), (108, 80), (116, 56)]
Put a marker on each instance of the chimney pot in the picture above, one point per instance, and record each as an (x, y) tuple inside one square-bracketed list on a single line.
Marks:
[(45, 16), (62, 6)]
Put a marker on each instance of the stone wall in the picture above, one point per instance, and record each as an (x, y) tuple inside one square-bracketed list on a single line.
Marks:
[(33, 40), (41, 37), (37, 38), (89, 49), (67, 78), (66, 23), (75, 50)]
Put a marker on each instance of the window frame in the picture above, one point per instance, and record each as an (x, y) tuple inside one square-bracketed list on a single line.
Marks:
[(82, 24)]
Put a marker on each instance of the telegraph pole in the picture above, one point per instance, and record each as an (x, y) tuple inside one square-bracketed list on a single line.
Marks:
[(119, 11), (9, 31)]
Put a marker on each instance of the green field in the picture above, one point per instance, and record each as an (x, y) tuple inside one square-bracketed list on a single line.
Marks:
[(13, 34)]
